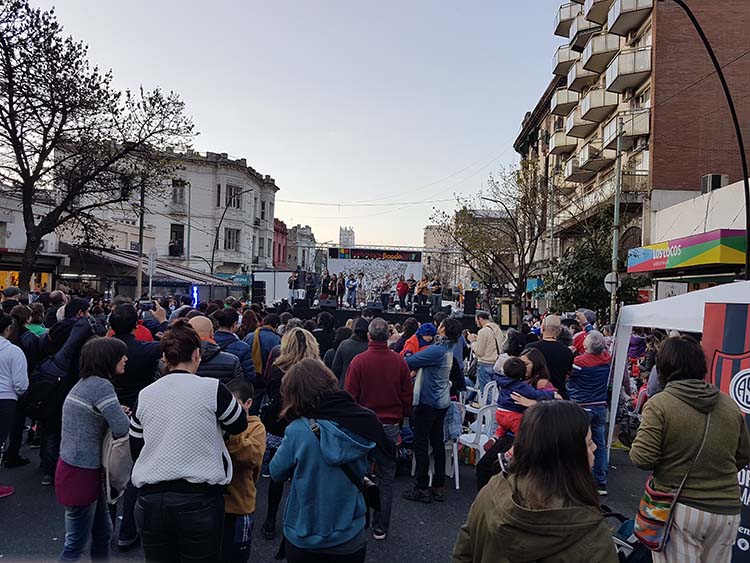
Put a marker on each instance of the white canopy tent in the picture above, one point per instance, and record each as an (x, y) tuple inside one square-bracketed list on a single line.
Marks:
[(683, 313)]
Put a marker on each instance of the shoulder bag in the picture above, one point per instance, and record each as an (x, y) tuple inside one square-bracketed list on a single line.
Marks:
[(369, 490), (656, 509)]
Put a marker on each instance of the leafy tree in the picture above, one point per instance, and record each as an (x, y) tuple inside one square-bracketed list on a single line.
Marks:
[(70, 144)]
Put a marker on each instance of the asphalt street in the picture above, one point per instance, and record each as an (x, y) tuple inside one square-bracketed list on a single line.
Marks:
[(32, 527)]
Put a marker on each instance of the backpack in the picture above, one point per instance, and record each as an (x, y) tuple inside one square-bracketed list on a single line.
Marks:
[(117, 464)]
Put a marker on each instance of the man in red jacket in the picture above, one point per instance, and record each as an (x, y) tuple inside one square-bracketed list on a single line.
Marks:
[(379, 380)]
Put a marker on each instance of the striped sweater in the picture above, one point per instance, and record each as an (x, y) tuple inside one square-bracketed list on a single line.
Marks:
[(176, 432)]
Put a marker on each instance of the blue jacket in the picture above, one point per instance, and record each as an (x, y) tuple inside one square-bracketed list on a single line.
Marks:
[(436, 362), (268, 339), (230, 342), (589, 379), (324, 508), (507, 386)]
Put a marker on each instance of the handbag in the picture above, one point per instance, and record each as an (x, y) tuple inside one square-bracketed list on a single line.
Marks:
[(369, 490), (656, 509)]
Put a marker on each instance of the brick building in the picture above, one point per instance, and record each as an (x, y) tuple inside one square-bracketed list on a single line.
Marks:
[(279, 244), (639, 63)]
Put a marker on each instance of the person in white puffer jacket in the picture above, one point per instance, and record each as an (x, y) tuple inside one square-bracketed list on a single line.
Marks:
[(14, 381)]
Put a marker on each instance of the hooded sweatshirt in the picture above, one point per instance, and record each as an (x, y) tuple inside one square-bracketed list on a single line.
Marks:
[(312, 520), (14, 379), (670, 435), (500, 529)]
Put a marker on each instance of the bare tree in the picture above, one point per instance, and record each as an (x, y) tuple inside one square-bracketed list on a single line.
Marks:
[(70, 144), (499, 230)]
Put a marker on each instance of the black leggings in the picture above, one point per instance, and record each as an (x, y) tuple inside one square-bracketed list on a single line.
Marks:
[(275, 494), (296, 555)]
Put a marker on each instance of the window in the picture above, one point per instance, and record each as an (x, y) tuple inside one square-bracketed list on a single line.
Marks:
[(176, 239), (134, 245), (254, 246), (255, 207), (178, 191), (233, 198), (270, 248), (218, 195), (262, 209), (232, 239)]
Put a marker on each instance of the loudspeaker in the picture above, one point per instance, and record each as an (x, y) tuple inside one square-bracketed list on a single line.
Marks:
[(470, 303), (301, 310), (258, 292), (328, 304), (447, 310), (422, 310), (375, 305)]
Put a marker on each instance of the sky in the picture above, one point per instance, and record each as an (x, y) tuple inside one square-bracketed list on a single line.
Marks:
[(395, 104)]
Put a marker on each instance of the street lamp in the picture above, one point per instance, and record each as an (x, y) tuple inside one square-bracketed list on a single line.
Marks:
[(218, 227), (735, 120)]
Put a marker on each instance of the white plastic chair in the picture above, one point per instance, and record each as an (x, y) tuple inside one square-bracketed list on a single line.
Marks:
[(451, 455), (487, 396), (476, 440)]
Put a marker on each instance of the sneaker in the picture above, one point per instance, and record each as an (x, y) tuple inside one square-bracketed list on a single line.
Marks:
[(602, 491), (19, 461), (379, 533), (618, 445), (128, 544), (48, 480), (269, 530), (438, 494), (6, 491), (418, 495)]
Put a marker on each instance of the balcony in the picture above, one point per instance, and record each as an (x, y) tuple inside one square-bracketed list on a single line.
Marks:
[(635, 181), (560, 143), (625, 16), (564, 18), (574, 173), (629, 69), (576, 126), (579, 78), (564, 58), (599, 52), (598, 104), (594, 158), (580, 31), (635, 124), (596, 10), (563, 101)]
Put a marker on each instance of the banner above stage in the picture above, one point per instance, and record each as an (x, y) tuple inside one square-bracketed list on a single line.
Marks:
[(721, 247), (338, 253)]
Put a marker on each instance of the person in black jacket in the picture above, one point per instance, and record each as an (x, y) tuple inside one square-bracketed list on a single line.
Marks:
[(56, 300), (214, 363), (324, 333)]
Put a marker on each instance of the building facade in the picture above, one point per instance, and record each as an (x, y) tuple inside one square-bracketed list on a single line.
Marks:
[(346, 237), (219, 215), (301, 248), (635, 71), (280, 244)]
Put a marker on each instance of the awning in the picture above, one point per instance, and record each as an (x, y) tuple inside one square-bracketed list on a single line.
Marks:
[(165, 270), (721, 247)]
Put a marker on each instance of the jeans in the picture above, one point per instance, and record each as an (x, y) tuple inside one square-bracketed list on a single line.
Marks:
[(49, 450), (178, 527), (351, 298), (421, 299), (128, 530), (15, 432), (82, 521), (297, 555), (485, 374), (436, 300), (598, 417), (385, 473), (291, 297), (237, 539), (428, 431), (385, 299), (402, 302)]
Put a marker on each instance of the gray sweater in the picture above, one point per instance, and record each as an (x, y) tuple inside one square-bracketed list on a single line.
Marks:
[(89, 409)]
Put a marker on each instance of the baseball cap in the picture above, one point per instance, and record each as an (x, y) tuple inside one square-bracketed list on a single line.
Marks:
[(11, 291)]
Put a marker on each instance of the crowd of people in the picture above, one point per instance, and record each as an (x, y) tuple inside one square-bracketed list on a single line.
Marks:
[(211, 397)]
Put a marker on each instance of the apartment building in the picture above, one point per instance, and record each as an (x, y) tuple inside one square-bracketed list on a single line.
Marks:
[(301, 248), (219, 213), (637, 66)]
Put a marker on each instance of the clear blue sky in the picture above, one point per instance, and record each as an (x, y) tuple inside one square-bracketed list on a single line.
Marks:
[(341, 101)]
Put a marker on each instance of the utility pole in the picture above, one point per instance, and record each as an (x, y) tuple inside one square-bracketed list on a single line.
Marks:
[(139, 271), (189, 213), (616, 224)]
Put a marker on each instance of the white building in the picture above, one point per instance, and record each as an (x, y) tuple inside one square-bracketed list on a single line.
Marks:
[(301, 247), (218, 214), (346, 237)]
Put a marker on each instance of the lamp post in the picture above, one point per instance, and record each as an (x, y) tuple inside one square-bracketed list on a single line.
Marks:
[(735, 120), (221, 220)]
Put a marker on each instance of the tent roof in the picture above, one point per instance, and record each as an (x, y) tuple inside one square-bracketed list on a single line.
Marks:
[(683, 312)]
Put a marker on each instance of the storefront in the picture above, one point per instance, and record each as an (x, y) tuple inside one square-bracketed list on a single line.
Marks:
[(46, 268), (691, 263)]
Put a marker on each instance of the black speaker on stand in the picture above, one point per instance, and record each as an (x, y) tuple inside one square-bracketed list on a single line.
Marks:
[(327, 304), (258, 292), (422, 310), (470, 303)]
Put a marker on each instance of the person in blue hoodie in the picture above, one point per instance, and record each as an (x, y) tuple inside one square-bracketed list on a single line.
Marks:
[(431, 401), (329, 436), (228, 341)]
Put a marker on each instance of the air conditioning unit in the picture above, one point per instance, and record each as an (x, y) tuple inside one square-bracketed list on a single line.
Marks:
[(711, 182)]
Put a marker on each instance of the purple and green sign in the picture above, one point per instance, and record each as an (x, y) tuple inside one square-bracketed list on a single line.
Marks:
[(722, 247)]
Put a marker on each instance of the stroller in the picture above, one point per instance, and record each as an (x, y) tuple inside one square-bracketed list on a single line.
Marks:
[(629, 549)]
